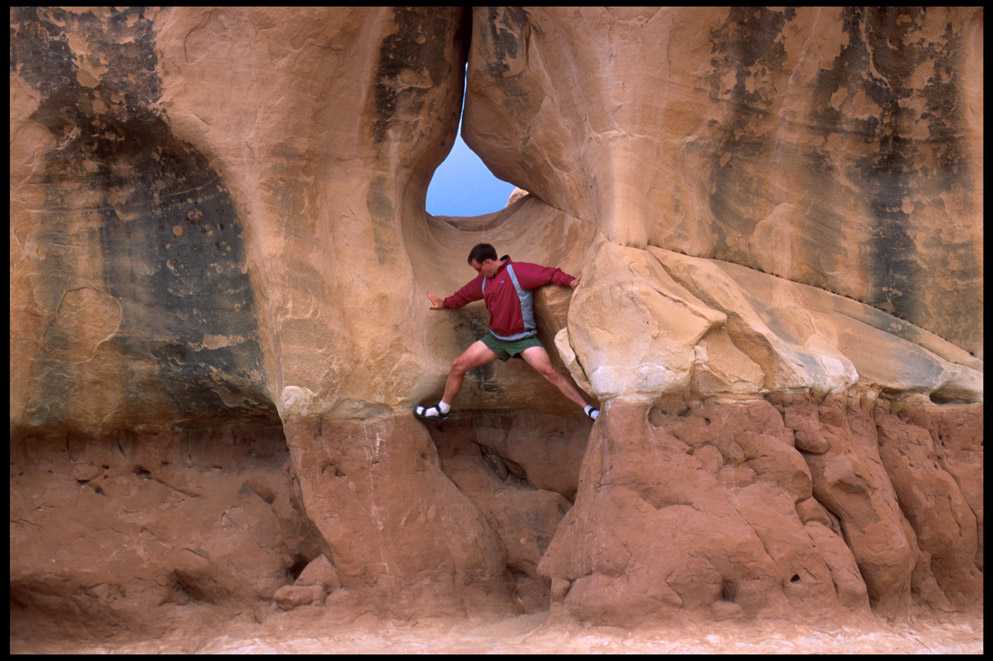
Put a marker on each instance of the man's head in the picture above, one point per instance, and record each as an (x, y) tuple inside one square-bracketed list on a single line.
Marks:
[(481, 252), (483, 258)]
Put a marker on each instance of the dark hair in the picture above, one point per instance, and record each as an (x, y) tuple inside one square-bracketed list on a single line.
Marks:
[(481, 252)]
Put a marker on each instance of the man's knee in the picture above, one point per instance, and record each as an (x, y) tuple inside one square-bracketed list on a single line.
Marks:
[(459, 365), (548, 371), (472, 357)]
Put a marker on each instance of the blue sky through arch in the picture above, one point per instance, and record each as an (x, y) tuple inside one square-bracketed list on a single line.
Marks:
[(463, 186)]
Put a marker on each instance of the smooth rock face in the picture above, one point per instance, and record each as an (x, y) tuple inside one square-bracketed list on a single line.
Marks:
[(219, 253)]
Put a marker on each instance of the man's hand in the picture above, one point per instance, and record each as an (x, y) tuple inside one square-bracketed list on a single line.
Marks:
[(575, 281), (436, 303)]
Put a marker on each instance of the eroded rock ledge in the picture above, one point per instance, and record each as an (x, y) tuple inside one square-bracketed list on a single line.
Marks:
[(791, 507)]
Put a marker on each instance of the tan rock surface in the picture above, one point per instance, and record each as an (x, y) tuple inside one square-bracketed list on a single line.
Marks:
[(837, 147)]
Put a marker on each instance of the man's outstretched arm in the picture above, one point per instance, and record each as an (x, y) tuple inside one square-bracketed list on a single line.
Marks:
[(472, 291), (532, 276)]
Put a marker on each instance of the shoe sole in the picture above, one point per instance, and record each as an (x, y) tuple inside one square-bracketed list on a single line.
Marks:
[(436, 418)]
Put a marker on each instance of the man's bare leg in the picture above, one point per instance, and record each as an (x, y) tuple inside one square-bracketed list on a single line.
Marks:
[(476, 355), (538, 358)]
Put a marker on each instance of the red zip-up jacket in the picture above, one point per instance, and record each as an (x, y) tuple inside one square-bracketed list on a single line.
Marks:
[(511, 310)]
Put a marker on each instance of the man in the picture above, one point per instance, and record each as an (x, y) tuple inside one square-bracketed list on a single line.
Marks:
[(506, 289)]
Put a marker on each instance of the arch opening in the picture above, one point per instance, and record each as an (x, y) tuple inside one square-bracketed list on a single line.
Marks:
[(462, 186)]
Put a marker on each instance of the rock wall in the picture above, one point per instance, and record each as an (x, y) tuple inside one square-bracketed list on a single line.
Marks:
[(839, 148), (219, 253)]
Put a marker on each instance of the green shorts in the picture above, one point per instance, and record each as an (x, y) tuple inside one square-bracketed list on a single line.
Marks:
[(507, 349)]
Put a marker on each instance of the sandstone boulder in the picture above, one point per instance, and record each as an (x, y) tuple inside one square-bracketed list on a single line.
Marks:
[(289, 597), (319, 572)]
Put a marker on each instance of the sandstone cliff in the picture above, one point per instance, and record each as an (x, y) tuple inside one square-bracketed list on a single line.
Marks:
[(219, 252)]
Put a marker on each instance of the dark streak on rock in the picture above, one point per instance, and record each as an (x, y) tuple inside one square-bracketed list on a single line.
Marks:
[(416, 46), (750, 44), (172, 243), (880, 59)]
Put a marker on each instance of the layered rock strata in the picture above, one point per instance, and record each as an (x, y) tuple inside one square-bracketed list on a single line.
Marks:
[(219, 253)]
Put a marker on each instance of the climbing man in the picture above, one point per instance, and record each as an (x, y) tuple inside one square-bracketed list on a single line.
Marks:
[(506, 288)]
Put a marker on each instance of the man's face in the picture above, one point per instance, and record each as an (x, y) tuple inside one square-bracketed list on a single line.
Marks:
[(487, 268)]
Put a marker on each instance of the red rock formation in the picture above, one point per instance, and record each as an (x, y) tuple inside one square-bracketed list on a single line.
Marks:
[(219, 253)]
